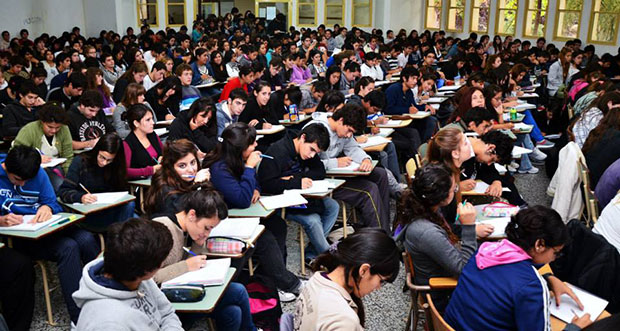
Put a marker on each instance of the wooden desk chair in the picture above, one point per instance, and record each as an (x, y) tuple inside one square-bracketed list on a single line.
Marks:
[(411, 166), (46, 292), (302, 244), (437, 322), (570, 110), (591, 201)]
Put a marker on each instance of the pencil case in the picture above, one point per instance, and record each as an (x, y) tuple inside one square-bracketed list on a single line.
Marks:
[(226, 245), (499, 209)]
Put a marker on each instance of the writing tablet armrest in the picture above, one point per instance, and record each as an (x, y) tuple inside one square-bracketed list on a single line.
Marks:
[(442, 283), (546, 269)]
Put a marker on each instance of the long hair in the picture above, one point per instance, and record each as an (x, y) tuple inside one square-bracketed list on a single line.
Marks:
[(132, 92), (167, 176), (611, 120), (114, 173), (464, 103), (235, 139), (534, 223), (369, 245), (200, 106), (430, 187), (565, 64), (135, 67), (91, 81)]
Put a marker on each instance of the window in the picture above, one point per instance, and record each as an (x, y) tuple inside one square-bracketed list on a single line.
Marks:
[(268, 9), (433, 14), (536, 18), (206, 8), (604, 20), (567, 18), (456, 15), (306, 12), (506, 22), (480, 16), (175, 12), (147, 12), (362, 13), (334, 12)]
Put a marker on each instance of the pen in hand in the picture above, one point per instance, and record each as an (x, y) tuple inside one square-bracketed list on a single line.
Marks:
[(457, 215)]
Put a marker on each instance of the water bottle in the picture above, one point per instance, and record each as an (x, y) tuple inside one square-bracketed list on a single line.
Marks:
[(513, 114), (293, 115)]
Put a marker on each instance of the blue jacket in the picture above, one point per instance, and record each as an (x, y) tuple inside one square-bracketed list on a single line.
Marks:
[(398, 102), (196, 79), (237, 193), (504, 297), (26, 200)]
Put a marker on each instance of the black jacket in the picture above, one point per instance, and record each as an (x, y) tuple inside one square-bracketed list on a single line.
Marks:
[(204, 137), (15, 116), (119, 90), (91, 177), (253, 112), (83, 129), (603, 154), (59, 96)]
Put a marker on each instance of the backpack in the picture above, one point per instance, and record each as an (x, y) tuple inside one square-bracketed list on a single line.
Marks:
[(264, 305)]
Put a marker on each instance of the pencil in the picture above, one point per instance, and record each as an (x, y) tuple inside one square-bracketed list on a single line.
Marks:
[(266, 156), (87, 191)]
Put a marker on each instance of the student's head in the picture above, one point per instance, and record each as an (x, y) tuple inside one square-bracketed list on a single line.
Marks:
[(319, 88), (450, 147), (140, 118), (134, 94), (52, 118), (237, 142), (476, 80), (204, 209), (158, 71), (150, 240), (184, 72), (330, 102), (493, 96), (27, 93), (364, 86), (498, 148), (75, 84), (349, 120), (107, 61), (409, 77), (427, 82), (262, 93), (179, 162), (351, 71), (22, 164), (202, 113), (38, 75), (333, 75), (202, 56), (479, 119), (540, 232), (292, 96), (17, 64), (368, 258), (313, 139), (237, 99), (374, 101), (246, 75)]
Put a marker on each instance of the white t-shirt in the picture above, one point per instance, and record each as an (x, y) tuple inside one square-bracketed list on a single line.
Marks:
[(608, 224)]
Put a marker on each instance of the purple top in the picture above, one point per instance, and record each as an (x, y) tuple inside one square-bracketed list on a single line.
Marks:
[(299, 75), (609, 184)]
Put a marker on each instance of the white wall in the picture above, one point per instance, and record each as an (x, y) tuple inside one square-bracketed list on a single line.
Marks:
[(39, 16)]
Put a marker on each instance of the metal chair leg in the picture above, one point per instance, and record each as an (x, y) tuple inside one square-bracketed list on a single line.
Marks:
[(302, 252)]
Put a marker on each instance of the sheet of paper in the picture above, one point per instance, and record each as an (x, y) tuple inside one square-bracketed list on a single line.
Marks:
[(522, 127), (282, 200), (274, 129), (591, 304), (499, 226), (391, 123), (500, 168), (385, 132), (54, 162), (213, 273), (318, 186), (242, 228), (374, 141), (352, 167), (518, 150), (168, 122), (436, 100), (529, 95), (525, 106), (449, 88), (27, 226), (107, 198), (481, 187), (161, 131)]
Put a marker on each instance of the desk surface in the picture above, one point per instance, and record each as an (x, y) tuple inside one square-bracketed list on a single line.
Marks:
[(86, 209), (347, 173), (43, 231), (336, 182), (213, 294), (255, 210), (274, 129), (403, 123), (302, 118), (146, 182), (252, 240)]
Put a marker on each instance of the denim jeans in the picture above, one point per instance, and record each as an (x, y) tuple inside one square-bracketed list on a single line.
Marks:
[(317, 226), (529, 119), (525, 141), (389, 160), (99, 222)]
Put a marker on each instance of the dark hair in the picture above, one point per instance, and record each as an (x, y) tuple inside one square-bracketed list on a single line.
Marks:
[(206, 201), (115, 172), (351, 66), (200, 106), (52, 113), (408, 72), (376, 98), (430, 187), (77, 80), (158, 66), (38, 72), (331, 99), (27, 87), (150, 240), (294, 94), (245, 70), (330, 70), (236, 138), (135, 67), (369, 245), (537, 222), (503, 145), (23, 161), (441, 145), (135, 113), (91, 98), (353, 115), (611, 120), (320, 86), (478, 115), (363, 82), (464, 103), (316, 133), (238, 93)]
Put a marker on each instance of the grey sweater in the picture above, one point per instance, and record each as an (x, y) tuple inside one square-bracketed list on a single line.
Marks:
[(432, 252)]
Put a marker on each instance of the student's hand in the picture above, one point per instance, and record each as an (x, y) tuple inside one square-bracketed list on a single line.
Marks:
[(45, 158), (362, 139), (11, 219), (468, 185), (382, 120), (413, 110), (467, 213), (430, 109), (286, 177), (203, 175), (484, 230), (306, 183), (375, 130), (204, 77), (366, 165), (495, 189), (91, 143), (344, 161), (351, 91), (267, 126), (253, 123), (39, 102), (255, 196), (88, 198), (520, 93), (156, 168), (582, 321), (169, 117), (43, 214), (196, 262), (558, 288), (253, 160)]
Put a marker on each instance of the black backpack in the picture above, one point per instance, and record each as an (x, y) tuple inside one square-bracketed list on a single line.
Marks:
[(264, 305)]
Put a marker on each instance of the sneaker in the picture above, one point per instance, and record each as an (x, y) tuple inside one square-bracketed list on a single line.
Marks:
[(514, 165), (286, 296), (537, 155), (532, 171), (511, 168), (543, 144)]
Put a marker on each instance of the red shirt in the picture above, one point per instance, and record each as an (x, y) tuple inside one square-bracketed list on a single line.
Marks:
[(231, 85)]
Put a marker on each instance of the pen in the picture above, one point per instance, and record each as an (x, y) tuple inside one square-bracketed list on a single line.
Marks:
[(87, 191), (188, 176), (38, 150), (574, 312), (66, 220), (189, 251), (266, 156), (154, 159), (457, 215)]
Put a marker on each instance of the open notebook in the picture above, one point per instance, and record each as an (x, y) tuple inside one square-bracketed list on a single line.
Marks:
[(213, 273), (481, 187), (374, 141), (568, 307), (54, 162), (108, 198), (27, 226), (241, 228), (390, 123), (318, 186), (282, 200)]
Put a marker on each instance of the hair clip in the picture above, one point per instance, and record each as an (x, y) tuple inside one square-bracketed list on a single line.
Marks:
[(220, 139), (199, 188), (516, 225), (334, 247)]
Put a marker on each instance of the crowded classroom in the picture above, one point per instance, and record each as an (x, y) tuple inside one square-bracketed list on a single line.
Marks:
[(257, 170)]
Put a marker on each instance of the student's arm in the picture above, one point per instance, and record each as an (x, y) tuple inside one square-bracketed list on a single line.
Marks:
[(169, 319), (9, 123), (47, 197), (66, 147), (237, 193), (70, 191), (135, 172), (435, 244), (316, 169), (203, 141), (196, 79), (395, 103), (270, 177), (531, 306), (353, 150)]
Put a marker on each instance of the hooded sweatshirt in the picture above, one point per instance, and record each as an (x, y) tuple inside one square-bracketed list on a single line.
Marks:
[(108, 305), (500, 289)]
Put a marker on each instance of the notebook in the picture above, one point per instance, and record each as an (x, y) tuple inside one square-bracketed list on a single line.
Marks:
[(274, 129), (241, 228), (499, 226), (318, 186), (522, 127), (161, 131), (568, 307), (282, 200), (518, 150), (374, 141), (108, 198), (391, 123), (481, 187), (354, 166), (212, 274), (385, 132), (54, 162), (27, 226)]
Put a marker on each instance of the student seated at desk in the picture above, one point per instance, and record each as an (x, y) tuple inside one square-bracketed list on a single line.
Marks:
[(135, 74), (50, 134), (16, 288), (199, 212), (87, 121), (280, 101), (115, 297), (294, 165), (198, 124), (134, 95), (257, 112), (359, 264), (189, 93), (246, 76), (233, 173), (68, 94), (165, 98), (143, 149), (228, 111), (369, 194), (94, 81), (311, 98), (19, 113), (26, 190), (180, 169), (500, 288), (99, 170)]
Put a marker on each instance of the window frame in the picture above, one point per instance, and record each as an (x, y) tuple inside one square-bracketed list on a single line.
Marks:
[(497, 18), (353, 14), (147, 4), (184, 13), (591, 25), (558, 11), (314, 4), (426, 27), (212, 4), (327, 6), (289, 19), (473, 7), (450, 7), (526, 19)]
